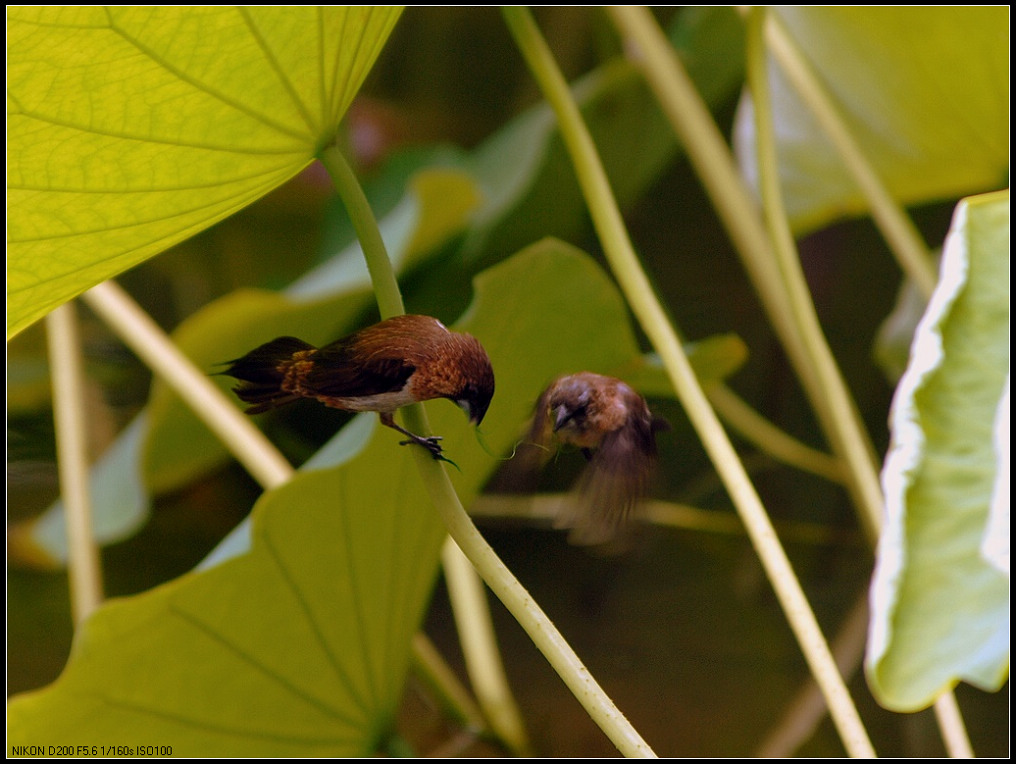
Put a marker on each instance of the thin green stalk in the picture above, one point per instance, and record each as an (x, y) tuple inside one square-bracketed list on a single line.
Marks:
[(857, 450), (712, 160), (501, 581), (770, 439), (84, 567), (785, 249), (432, 669), (626, 267), (479, 646), (899, 231), (808, 708), (954, 731), (382, 275)]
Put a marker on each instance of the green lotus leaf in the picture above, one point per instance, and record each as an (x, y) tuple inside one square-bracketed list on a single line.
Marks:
[(924, 91), (130, 129), (940, 603)]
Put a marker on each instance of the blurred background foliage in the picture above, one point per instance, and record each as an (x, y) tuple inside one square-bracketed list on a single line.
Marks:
[(683, 632)]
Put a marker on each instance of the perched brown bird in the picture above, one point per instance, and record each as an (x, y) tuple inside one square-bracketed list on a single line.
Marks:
[(400, 361), (616, 432)]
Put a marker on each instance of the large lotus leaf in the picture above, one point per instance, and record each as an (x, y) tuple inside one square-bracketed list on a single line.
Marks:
[(924, 91), (295, 649), (299, 647), (940, 605), (130, 129)]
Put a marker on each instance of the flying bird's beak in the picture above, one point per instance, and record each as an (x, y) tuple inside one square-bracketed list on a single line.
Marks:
[(562, 415)]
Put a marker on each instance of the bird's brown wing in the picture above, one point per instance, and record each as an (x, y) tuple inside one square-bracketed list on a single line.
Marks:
[(612, 485), (261, 373), (346, 370)]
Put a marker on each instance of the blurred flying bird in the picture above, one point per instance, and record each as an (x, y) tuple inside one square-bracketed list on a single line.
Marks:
[(616, 432)]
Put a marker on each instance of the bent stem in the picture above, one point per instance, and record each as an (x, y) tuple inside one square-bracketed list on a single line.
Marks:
[(479, 645), (898, 229), (247, 443), (770, 439), (625, 264)]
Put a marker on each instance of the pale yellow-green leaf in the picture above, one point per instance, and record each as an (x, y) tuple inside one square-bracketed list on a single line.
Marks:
[(132, 128), (940, 604), (923, 90)]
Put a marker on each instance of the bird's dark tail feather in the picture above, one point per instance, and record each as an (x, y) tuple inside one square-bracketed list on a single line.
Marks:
[(262, 371)]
